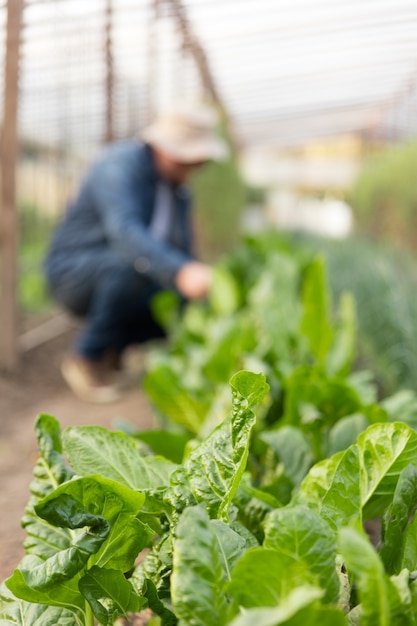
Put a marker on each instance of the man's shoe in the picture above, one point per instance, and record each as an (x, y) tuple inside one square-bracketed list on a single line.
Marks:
[(85, 379), (114, 372)]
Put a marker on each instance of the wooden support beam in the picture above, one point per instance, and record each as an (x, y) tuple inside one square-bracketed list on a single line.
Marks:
[(8, 215), (191, 43)]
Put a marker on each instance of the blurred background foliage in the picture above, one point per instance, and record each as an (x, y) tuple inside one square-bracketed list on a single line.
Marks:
[(384, 196)]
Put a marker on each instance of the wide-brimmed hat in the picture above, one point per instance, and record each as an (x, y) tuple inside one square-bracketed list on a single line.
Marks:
[(187, 134)]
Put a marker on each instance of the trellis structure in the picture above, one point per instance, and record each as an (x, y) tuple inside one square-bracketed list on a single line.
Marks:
[(285, 72)]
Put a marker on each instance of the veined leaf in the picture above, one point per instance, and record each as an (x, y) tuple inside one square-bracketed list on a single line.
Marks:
[(197, 580), (50, 471), (114, 455), (113, 502), (15, 612), (230, 544), (212, 472), (332, 488), (109, 594), (40, 575), (303, 535), (385, 450), (361, 481)]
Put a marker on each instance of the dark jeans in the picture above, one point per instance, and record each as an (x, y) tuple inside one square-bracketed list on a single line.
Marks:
[(115, 301)]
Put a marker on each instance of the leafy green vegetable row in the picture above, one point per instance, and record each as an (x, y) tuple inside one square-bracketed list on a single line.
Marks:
[(307, 562), (252, 518)]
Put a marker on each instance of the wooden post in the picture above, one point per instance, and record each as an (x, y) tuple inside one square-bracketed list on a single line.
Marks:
[(109, 132), (8, 215)]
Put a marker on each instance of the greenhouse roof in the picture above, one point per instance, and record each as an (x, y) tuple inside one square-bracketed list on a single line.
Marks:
[(286, 72)]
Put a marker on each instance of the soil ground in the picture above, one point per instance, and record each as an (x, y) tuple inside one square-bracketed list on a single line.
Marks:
[(39, 388)]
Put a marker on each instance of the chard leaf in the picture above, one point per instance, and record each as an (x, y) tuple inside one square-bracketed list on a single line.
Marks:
[(15, 612), (292, 448), (396, 518), (315, 323), (224, 292), (114, 455), (409, 549), (112, 502), (164, 389), (342, 352), (212, 472), (361, 481), (385, 450), (332, 489), (109, 594), (264, 577), (297, 608), (329, 398), (197, 581), (381, 604), (65, 594), (164, 443), (154, 603), (345, 432), (42, 575), (49, 472), (230, 544), (302, 534)]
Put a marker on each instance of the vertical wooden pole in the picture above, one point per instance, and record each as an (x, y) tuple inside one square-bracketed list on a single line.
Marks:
[(9, 218), (109, 132)]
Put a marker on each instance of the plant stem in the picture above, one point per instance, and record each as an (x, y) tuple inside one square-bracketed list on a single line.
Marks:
[(89, 615)]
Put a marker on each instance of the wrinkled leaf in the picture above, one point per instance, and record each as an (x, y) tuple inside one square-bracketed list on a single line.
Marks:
[(43, 575), (113, 502), (197, 581), (50, 471), (212, 472), (360, 482), (114, 455), (15, 612)]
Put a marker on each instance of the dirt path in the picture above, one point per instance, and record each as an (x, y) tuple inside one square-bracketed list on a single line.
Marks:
[(39, 388)]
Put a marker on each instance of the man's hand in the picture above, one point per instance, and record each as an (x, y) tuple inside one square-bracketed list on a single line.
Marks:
[(193, 280)]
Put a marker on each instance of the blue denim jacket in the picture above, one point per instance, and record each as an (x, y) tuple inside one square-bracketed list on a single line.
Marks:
[(113, 210)]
